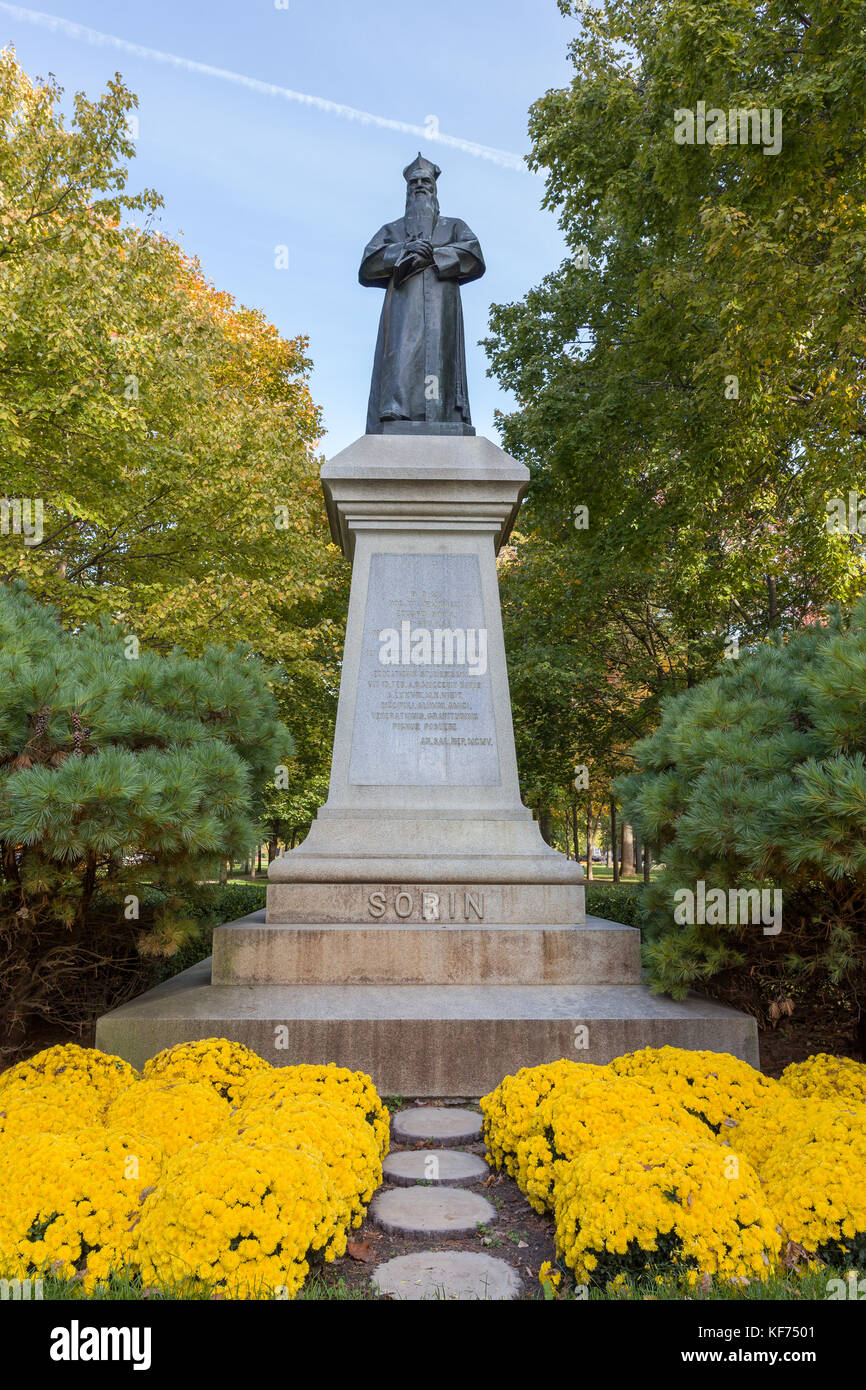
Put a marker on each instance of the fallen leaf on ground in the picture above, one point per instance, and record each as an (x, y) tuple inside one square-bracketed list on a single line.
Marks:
[(360, 1250)]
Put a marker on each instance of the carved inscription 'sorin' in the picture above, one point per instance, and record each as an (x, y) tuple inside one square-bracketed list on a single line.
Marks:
[(428, 905)]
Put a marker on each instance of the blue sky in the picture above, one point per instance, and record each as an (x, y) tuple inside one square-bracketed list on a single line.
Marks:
[(243, 170)]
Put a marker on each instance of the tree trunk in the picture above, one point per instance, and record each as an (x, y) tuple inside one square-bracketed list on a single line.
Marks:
[(224, 871), (589, 846), (647, 864), (772, 605), (627, 850), (272, 849), (613, 844), (544, 825)]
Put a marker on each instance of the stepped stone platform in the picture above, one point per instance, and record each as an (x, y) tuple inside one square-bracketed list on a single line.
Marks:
[(457, 1032), (254, 951)]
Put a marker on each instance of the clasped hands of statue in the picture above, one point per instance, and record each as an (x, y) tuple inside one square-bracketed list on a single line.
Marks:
[(417, 254)]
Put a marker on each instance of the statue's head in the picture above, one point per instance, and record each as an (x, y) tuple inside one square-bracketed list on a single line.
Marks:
[(421, 178)]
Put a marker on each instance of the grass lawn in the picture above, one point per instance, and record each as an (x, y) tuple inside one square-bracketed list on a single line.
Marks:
[(604, 873), (331, 1284)]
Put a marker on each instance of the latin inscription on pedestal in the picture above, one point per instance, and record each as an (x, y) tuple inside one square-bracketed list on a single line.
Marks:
[(424, 704)]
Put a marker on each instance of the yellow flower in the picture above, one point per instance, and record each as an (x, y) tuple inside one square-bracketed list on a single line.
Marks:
[(353, 1089), (662, 1196), (827, 1077), (511, 1110), (718, 1088), (217, 1062), (69, 1065), (235, 1245), (76, 1204), (549, 1279), (174, 1113)]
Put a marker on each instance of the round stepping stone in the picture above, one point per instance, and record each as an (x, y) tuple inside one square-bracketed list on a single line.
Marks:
[(431, 1211), (409, 1166), (447, 1274), (437, 1124)]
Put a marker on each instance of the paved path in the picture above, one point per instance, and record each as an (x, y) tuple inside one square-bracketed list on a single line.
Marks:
[(429, 1192)]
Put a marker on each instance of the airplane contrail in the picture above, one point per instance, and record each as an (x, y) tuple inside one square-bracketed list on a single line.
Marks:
[(504, 158)]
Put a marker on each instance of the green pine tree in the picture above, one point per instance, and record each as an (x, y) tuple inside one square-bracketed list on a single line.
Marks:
[(124, 776), (757, 779)]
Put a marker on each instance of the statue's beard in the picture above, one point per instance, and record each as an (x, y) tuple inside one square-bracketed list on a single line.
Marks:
[(422, 210)]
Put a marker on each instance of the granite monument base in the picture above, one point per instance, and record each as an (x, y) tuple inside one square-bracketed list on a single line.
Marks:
[(426, 1011)]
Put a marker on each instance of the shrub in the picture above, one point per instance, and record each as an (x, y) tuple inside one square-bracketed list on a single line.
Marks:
[(101, 1073), (35, 1106), (175, 1114), (586, 1113), (663, 1197), (73, 1210), (830, 1078), (342, 1136), (817, 1189), (168, 1184), (218, 1062), (511, 1110), (351, 1089), (784, 1122), (757, 779), (241, 1217), (618, 902), (715, 1086), (117, 775)]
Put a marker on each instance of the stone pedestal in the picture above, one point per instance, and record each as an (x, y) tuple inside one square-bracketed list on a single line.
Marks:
[(424, 785), (424, 931)]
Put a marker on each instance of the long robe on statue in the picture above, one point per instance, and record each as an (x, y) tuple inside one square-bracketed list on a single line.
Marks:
[(419, 371)]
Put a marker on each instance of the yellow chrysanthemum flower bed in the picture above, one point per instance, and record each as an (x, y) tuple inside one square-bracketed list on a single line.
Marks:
[(786, 1121), (70, 1203), (43, 1107), (511, 1110), (174, 1113), (218, 1062), (353, 1089), (817, 1189), (588, 1112), (715, 1086), (341, 1135), (241, 1217), (827, 1077), (70, 1064), (160, 1174), (663, 1198), (737, 1165)]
